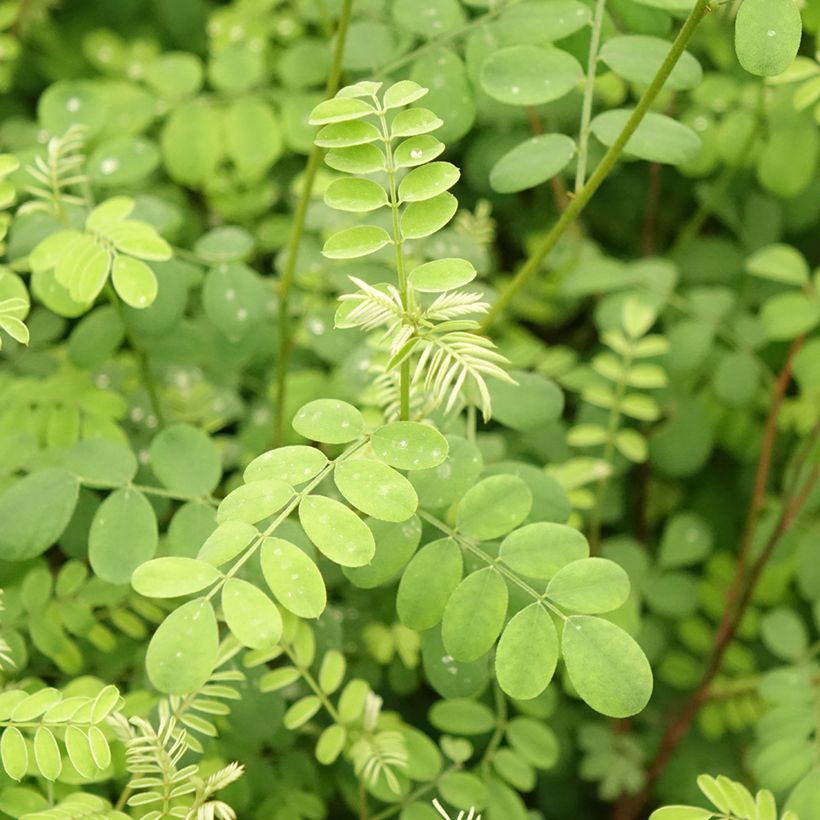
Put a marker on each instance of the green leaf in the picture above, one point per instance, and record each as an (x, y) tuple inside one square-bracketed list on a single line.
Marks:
[(414, 121), (427, 584), (293, 578), (657, 139), (632, 445), (47, 754), (191, 142), (530, 75), (494, 507), (787, 315), (355, 242), (637, 58), (83, 268), (442, 275), (14, 753), (527, 653), (171, 577), (541, 549), (409, 445), (687, 539), (254, 502), (416, 151), (376, 489), (185, 460), (250, 614), (355, 195), (606, 666), (227, 541), (344, 134), (532, 163), (474, 615), (301, 712), (463, 790), (534, 741), (79, 753), (461, 716), (123, 535), (295, 464), (589, 586), (35, 510), (337, 531), (183, 652), (225, 244), (134, 281), (428, 181), (356, 159), (330, 744), (396, 545), (681, 813), (404, 92), (529, 404), (534, 22), (767, 35), (329, 421), (784, 634), (780, 263), (421, 219), (340, 109)]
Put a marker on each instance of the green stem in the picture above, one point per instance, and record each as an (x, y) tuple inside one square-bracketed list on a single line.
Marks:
[(589, 95), (297, 230), (579, 202)]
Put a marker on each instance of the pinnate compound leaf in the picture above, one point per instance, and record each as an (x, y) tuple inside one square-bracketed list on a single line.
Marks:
[(186, 460), (422, 219), (413, 122), (474, 615), (606, 666), (356, 159), (47, 754), (404, 92), (527, 653), (250, 614), (14, 753), (657, 139), (183, 651), (227, 541), (428, 582), (531, 163), (340, 109), (293, 578), (345, 134), (337, 531), (352, 243), (330, 744), (376, 489), (442, 275), (494, 507), (254, 502), (123, 535), (409, 445), (171, 576), (541, 549), (355, 195), (767, 35), (427, 181), (590, 586), (295, 464), (134, 281), (35, 510), (417, 150), (329, 421)]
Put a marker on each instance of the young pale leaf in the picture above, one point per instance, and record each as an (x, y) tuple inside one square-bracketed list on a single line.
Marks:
[(416, 151), (295, 464), (186, 460), (352, 243), (637, 58), (336, 531), (606, 666), (330, 744), (250, 614), (421, 219), (123, 535), (227, 541), (427, 584), (681, 813), (356, 159), (183, 652), (409, 445), (340, 109), (293, 578), (589, 586), (301, 712), (254, 502), (376, 489), (787, 315), (541, 549), (332, 671), (414, 121), (531, 163), (47, 754), (780, 263), (329, 421), (79, 753), (632, 445), (170, 577), (35, 511), (494, 507), (527, 653), (355, 195), (657, 139), (134, 281), (14, 753), (474, 615), (428, 181), (404, 92), (767, 35), (345, 134), (83, 268), (530, 75), (442, 275)]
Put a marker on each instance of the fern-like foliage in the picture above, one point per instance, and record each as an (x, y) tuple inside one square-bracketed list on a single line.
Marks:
[(58, 176), (378, 755)]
